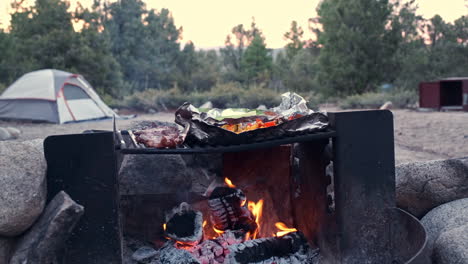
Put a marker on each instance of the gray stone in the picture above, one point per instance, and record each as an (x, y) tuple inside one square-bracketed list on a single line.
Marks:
[(207, 105), (387, 106), (43, 241), (445, 218), (153, 174), (421, 186), (452, 247), (144, 254), (162, 174), (22, 185), (6, 245), (152, 111), (4, 134), (262, 107), (14, 132)]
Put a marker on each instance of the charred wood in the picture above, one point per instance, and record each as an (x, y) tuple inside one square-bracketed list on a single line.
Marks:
[(228, 211), (291, 248), (185, 225)]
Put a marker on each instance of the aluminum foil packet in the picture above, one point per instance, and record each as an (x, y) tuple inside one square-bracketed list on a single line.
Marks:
[(235, 126)]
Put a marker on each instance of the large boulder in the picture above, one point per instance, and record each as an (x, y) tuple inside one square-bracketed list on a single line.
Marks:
[(422, 186), (47, 237), (446, 228), (452, 246), (6, 244), (22, 185)]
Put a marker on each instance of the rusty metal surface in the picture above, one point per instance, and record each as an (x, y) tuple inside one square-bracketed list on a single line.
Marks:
[(429, 95)]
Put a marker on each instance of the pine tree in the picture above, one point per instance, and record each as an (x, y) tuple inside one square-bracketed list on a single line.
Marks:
[(257, 61), (353, 45), (294, 36)]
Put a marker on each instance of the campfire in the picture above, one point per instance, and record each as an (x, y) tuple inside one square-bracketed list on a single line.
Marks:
[(276, 186), (231, 231)]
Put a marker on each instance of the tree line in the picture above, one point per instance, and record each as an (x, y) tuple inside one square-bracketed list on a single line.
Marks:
[(123, 47)]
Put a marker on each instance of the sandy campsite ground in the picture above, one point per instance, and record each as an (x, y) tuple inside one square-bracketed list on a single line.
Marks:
[(419, 136)]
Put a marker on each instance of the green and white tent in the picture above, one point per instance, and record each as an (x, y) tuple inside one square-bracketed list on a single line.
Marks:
[(52, 96)]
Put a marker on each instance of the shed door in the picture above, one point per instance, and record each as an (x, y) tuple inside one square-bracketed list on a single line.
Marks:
[(429, 95), (80, 104)]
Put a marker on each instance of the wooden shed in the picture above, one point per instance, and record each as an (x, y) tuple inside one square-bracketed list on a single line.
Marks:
[(446, 94)]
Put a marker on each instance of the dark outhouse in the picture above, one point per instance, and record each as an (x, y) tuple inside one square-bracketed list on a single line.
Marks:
[(446, 94)]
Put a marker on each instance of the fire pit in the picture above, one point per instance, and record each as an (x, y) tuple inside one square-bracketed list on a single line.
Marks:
[(306, 215)]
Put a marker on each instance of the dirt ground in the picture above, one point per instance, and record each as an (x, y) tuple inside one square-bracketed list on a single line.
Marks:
[(419, 136)]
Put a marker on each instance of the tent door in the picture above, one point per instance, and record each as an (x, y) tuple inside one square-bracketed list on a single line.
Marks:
[(81, 106)]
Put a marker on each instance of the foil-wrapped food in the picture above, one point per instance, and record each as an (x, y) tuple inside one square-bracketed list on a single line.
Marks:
[(221, 127), (241, 126)]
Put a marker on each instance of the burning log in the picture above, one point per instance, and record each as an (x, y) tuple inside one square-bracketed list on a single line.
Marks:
[(229, 212), (185, 225), (291, 248)]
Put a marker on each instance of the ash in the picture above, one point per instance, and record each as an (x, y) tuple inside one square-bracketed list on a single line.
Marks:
[(217, 251)]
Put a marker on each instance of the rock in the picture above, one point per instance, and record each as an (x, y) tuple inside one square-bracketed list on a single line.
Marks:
[(422, 186), (22, 185), (48, 235), (445, 218), (153, 174), (452, 246), (4, 134), (163, 174), (144, 254), (6, 244), (207, 105), (386, 106), (262, 107), (14, 132), (152, 111)]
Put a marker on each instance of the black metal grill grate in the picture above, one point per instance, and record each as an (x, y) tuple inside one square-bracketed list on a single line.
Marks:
[(128, 144)]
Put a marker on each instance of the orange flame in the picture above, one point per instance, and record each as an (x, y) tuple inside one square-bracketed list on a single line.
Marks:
[(283, 229), (204, 223), (256, 209), (164, 226), (219, 232), (229, 183)]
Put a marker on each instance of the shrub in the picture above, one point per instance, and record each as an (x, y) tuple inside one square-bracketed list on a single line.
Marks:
[(399, 99), (2, 87), (225, 95)]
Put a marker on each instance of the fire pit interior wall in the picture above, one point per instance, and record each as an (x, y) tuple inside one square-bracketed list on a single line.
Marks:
[(289, 179)]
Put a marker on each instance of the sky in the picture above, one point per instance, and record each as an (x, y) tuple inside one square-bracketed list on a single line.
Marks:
[(207, 22)]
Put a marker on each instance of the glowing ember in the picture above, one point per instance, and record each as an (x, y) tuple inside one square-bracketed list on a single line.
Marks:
[(256, 209), (229, 183), (164, 226), (283, 229), (204, 223)]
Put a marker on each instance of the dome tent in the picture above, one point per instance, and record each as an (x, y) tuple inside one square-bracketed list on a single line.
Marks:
[(52, 96)]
